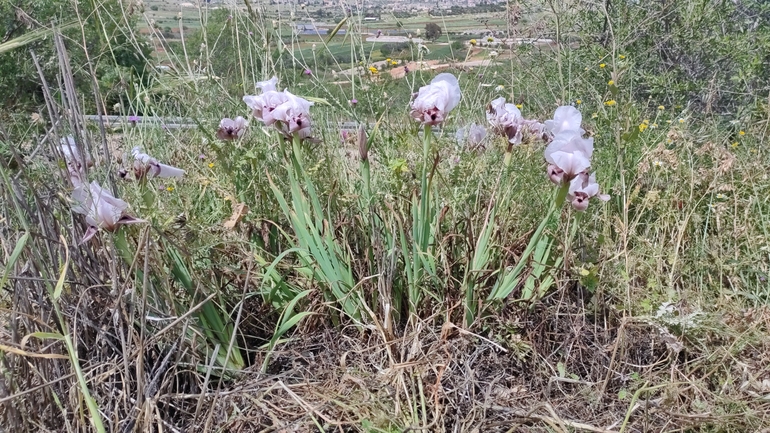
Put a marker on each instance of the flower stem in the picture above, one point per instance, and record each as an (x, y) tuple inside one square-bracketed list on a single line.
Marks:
[(422, 217), (426, 150), (561, 196), (425, 191), (296, 153), (508, 154)]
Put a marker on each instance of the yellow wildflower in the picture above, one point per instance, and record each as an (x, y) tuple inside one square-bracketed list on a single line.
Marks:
[(734, 145), (519, 106), (610, 103), (373, 70), (646, 121), (621, 57), (642, 127), (681, 120), (742, 133), (169, 189), (661, 107), (211, 165), (388, 59), (472, 42), (490, 39), (611, 83), (594, 116), (602, 65), (578, 102)]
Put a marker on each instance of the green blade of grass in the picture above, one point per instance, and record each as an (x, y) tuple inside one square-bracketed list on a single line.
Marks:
[(20, 244)]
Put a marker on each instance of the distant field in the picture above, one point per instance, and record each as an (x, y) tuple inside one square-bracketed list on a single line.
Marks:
[(165, 13)]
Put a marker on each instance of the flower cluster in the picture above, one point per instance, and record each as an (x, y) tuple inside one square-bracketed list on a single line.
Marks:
[(506, 120), (289, 113), (569, 157), (101, 208)]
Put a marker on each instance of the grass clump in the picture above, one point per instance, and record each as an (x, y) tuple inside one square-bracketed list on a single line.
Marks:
[(379, 271)]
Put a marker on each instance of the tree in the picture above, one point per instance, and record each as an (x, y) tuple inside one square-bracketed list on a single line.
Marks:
[(116, 59), (432, 31)]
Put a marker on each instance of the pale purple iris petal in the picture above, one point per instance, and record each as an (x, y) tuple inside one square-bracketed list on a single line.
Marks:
[(144, 164), (75, 161), (472, 137), (294, 115), (569, 142), (506, 120), (571, 163), (102, 210), (555, 174), (232, 129), (581, 189), (566, 118), (434, 101), (268, 85), (263, 105)]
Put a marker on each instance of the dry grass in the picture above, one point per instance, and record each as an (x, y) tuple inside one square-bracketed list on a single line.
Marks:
[(557, 367)]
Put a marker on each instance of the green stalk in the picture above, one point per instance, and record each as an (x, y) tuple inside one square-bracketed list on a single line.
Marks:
[(507, 159), (425, 189), (509, 280), (421, 220), (561, 196)]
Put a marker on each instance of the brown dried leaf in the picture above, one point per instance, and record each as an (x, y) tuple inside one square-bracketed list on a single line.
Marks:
[(239, 212)]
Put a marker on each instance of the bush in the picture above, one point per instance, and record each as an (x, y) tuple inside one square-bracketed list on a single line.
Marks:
[(432, 31), (715, 54), (389, 48), (19, 80)]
